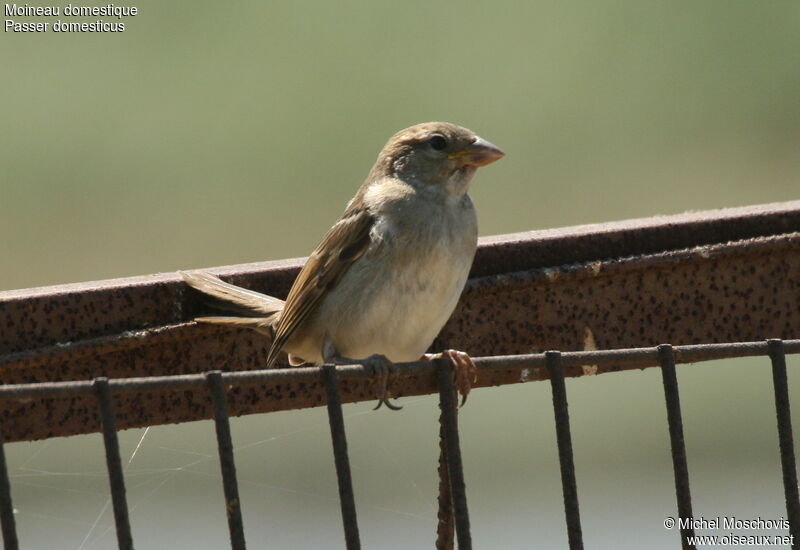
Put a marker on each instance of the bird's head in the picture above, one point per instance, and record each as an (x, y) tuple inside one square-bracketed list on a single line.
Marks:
[(435, 155)]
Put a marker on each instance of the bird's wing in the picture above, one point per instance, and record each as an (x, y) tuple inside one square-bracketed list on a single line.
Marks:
[(341, 246)]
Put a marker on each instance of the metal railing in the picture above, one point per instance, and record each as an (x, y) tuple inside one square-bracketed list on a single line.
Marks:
[(128, 349), (453, 507), (720, 276)]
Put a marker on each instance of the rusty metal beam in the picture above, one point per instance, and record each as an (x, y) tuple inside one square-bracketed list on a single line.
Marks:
[(306, 388), (719, 276)]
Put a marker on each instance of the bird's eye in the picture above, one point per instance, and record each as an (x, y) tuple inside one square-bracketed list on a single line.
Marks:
[(438, 143)]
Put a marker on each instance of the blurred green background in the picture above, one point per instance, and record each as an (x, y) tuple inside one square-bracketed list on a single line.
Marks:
[(214, 133), (210, 134)]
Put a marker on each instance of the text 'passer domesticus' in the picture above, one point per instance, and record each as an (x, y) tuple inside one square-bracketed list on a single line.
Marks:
[(388, 274)]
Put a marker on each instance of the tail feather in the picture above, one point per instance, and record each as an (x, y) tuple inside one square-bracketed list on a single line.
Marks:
[(250, 309), (264, 325)]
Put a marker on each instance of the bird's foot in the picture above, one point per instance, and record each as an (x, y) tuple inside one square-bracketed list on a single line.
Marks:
[(465, 373), (384, 370)]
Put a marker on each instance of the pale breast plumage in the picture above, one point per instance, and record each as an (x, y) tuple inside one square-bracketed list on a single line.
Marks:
[(396, 308)]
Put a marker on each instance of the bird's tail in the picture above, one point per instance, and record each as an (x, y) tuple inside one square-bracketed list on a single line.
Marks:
[(248, 308)]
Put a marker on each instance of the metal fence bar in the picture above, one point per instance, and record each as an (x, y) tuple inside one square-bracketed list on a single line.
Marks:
[(226, 461), (445, 528), (114, 464), (565, 458), (618, 358), (455, 468), (9, 526), (605, 360), (677, 444), (339, 439), (781, 385)]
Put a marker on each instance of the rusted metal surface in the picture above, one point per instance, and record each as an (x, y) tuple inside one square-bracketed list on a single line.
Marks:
[(729, 275), (264, 390), (737, 291)]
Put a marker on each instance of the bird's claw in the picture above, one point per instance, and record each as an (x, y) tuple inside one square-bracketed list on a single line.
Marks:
[(383, 369), (465, 373)]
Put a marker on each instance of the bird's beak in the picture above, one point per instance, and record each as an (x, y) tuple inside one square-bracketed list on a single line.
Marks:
[(478, 153)]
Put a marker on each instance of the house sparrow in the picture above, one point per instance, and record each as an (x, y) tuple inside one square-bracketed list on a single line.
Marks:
[(387, 276)]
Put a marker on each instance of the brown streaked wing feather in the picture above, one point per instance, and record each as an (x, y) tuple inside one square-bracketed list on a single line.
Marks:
[(342, 245)]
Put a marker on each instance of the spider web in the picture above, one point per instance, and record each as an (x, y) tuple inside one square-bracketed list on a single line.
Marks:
[(173, 485)]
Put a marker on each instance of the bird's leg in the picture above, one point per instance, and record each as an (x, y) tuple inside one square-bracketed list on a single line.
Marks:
[(465, 371), (380, 366), (385, 370)]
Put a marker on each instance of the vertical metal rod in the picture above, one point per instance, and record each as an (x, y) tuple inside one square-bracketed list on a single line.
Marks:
[(339, 439), (455, 468), (226, 461), (666, 357), (781, 385), (445, 528), (114, 464), (565, 458), (9, 526)]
